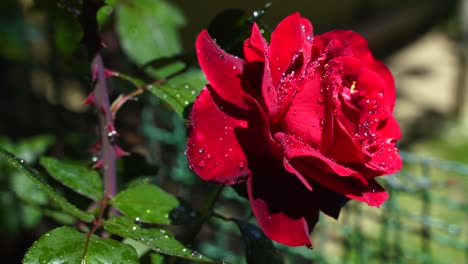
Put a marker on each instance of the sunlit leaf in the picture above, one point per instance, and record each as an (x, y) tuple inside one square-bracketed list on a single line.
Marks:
[(259, 248), (67, 245), (180, 91), (148, 30), (147, 203), (26, 189), (41, 184), (159, 240), (81, 179)]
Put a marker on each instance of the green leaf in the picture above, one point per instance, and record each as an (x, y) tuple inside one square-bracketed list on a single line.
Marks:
[(141, 249), (159, 240), (41, 184), (148, 30), (147, 203), (258, 248), (67, 245), (181, 90), (156, 258), (27, 190), (30, 216), (31, 148), (81, 179)]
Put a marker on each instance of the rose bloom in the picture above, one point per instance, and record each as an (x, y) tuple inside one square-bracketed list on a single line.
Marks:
[(306, 121)]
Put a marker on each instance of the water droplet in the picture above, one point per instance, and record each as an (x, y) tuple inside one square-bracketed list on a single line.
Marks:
[(193, 92), (234, 67), (322, 121), (164, 96), (230, 149), (137, 219), (111, 133), (158, 249), (166, 236), (184, 250), (221, 56), (201, 164), (177, 95), (241, 164), (221, 139), (208, 156), (194, 253), (201, 150), (148, 211), (134, 228), (295, 113), (162, 231), (186, 86), (186, 102)]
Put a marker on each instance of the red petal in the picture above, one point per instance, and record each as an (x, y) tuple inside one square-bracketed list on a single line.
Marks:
[(389, 129), (213, 150), (371, 193), (348, 43), (287, 40), (255, 47), (311, 164), (305, 116), (343, 148), (283, 207), (223, 70)]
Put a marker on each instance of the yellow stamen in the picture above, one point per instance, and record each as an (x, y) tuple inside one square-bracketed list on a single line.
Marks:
[(353, 88)]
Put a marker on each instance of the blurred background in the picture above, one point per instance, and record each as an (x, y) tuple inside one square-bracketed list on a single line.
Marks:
[(44, 77)]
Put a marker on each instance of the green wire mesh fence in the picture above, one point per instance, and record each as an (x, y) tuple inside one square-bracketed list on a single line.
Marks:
[(425, 220)]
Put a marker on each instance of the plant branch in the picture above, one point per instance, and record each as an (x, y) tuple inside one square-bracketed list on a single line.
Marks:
[(205, 213)]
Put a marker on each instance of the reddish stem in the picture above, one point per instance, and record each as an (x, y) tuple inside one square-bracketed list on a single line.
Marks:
[(106, 120)]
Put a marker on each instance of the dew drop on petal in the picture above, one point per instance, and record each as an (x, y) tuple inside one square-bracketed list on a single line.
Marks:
[(221, 56), (322, 121), (201, 164), (241, 164), (201, 150), (208, 156)]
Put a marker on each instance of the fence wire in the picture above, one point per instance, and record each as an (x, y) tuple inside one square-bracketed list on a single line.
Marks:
[(425, 220)]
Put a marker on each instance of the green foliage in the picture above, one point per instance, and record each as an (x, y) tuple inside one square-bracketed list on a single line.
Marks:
[(147, 203), (57, 198), (158, 239), (181, 90), (82, 180), (67, 245), (148, 31), (16, 187)]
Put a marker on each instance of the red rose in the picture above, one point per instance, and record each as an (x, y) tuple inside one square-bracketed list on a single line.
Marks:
[(302, 120)]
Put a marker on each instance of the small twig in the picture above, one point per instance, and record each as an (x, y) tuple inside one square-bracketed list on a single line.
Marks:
[(205, 213)]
